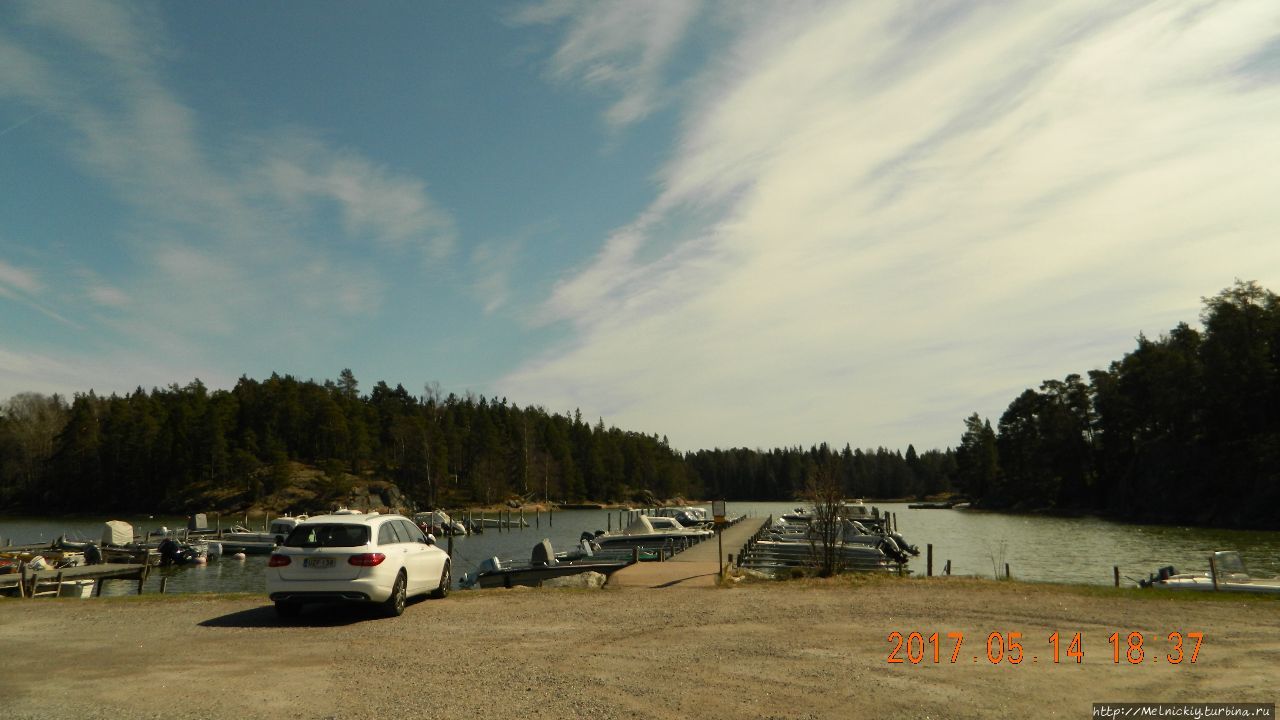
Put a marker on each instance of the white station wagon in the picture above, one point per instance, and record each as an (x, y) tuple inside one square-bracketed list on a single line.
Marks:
[(370, 558)]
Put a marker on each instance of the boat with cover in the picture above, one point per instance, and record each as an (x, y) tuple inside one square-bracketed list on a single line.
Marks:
[(544, 564), (1231, 576)]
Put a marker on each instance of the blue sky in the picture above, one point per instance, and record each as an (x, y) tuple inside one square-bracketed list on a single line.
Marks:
[(732, 223)]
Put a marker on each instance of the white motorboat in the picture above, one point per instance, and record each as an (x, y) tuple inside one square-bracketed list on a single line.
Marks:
[(438, 522), (239, 539), (687, 515), (850, 533), (646, 531), (1227, 574)]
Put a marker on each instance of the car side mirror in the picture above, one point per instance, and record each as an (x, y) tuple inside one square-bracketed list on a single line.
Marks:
[(431, 539)]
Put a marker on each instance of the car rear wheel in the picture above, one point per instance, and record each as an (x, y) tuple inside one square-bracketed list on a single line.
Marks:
[(394, 605), (445, 580)]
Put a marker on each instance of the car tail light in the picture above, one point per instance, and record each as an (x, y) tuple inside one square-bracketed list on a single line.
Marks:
[(367, 559), (278, 560)]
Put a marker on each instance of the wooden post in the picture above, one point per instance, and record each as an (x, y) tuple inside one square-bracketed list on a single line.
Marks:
[(635, 553), (1007, 576), (58, 590), (551, 511), (608, 521), (522, 517), (97, 590), (948, 570), (450, 544), (1213, 571), (720, 549), (537, 518), (164, 585), (1115, 570), (929, 550)]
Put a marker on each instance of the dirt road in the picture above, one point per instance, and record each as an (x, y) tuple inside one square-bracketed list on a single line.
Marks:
[(796, 650)]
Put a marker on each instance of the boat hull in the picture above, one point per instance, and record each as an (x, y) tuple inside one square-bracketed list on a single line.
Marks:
[(534, 576)]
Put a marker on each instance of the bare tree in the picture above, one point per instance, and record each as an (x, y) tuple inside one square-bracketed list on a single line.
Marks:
[(33, 421), (826, 496)]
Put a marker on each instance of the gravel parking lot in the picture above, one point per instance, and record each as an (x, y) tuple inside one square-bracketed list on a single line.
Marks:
[(808, 649)]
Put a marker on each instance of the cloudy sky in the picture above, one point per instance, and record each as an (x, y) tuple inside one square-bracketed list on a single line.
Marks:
[(732, 223)]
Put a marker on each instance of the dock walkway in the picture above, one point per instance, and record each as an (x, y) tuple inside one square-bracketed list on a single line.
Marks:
[(696, 567), (97, 573)]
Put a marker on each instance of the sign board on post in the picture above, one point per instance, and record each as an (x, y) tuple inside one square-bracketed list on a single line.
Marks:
[(717, 510)]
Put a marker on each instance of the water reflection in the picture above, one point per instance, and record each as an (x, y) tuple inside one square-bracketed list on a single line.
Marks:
[(1075, 550)]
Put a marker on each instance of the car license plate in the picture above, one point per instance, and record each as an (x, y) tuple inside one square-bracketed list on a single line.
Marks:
[(318, 562)]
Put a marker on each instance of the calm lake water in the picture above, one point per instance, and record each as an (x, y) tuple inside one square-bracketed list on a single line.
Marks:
[(1047, 549)]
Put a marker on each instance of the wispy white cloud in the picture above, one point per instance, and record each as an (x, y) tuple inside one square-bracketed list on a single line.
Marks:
[(494, 265), (100, 292), (391, 209), (906, 215), (20, 279), (617, 47), (225, 236)]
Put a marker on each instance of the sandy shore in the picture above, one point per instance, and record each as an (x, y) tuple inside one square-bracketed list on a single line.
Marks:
[(812, 649)]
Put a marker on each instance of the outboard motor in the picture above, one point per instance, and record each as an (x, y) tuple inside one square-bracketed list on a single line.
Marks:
[(890, 548), (1161, 575), (92, 555), (170, 552), (902, 543), (471, 579), (543, 554), (587, 536)]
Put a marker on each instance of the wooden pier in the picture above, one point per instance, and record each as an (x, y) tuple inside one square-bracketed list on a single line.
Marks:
[(697, 566), (33, 583)]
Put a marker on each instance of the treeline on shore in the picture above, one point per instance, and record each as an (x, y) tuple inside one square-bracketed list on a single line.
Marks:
[(172, 449), (1185, 428)]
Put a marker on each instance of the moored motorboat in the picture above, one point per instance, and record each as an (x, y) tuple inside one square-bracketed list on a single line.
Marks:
[(646, 531), (240, 539), (543, 564), (1227, 573), (438, 522), (686, 515)]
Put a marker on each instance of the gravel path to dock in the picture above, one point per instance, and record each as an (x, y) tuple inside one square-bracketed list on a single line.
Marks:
[(804, 649)]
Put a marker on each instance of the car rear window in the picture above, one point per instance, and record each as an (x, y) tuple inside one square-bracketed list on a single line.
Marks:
[(328, 536)]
